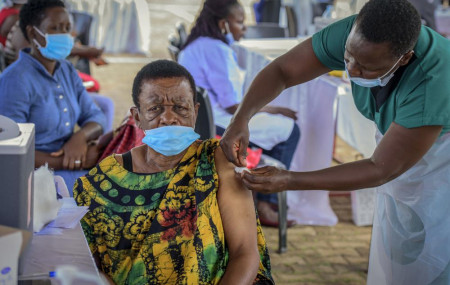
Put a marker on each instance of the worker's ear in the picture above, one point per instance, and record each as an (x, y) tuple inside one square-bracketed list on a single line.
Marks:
[(406, 58)]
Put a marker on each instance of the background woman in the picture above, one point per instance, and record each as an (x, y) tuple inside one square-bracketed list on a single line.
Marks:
[(8, 17), (43, 88)]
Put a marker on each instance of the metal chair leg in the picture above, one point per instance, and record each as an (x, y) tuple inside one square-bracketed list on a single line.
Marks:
[(282, 222)]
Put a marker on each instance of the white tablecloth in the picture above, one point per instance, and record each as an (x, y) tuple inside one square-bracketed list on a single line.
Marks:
[(314, 102), (352, 126), (118, 25)]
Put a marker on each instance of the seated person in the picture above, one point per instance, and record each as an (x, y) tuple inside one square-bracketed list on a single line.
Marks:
[(172, 210), (8, 17), (43, 88), (212, 62), (16, 41)]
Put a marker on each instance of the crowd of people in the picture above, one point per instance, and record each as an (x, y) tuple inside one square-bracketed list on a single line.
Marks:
[(170, 208)]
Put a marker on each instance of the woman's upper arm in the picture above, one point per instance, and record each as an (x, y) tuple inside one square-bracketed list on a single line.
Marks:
[(236, 208), (401, 148)]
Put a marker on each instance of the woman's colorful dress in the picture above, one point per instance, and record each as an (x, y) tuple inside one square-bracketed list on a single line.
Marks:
[(160, 228)]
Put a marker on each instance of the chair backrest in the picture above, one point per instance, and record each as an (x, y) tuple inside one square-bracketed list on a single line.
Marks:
[(177, 41), (173, 51), (265, 30), (174, 40), (82, 25), (319, 6), (181, 29), (291, 21), (205, 121), (271, 11)]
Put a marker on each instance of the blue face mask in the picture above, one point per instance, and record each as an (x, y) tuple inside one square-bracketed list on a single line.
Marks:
[(369, 83), (58, 46), (170, 140), (229, 36)]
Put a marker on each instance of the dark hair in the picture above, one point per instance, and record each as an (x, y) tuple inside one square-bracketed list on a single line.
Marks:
[(33, 12), (394, 21), (206, 23), (161, 69)]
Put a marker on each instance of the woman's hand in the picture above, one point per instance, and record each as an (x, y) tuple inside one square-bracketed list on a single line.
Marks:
[(234, 142), (75, 150), (267, 179), (281, 110)]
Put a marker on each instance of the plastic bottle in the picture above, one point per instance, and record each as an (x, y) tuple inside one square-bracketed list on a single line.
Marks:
[(328, 12)]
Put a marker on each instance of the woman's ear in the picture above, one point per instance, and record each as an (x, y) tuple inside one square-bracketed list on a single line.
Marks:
[(135, 114), (30, 33), (221, 24), (196, 107)]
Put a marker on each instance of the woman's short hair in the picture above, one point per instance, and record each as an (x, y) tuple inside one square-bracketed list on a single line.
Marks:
[(206, 23), (33, 12), (161, 69), (394, 21)]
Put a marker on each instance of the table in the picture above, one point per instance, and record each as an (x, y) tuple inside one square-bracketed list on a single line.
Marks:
[(118, 25), (315, 104), (48, 251)]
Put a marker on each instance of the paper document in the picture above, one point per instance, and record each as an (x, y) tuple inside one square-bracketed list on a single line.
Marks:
[(68, 217)]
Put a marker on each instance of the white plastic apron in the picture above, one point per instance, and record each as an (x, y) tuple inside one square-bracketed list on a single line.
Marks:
[(411, 229)]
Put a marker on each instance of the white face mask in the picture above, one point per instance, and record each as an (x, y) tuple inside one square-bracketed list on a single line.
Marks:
[(369, 83)]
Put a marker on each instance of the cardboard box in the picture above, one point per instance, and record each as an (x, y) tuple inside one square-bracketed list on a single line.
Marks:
[(12, 243)]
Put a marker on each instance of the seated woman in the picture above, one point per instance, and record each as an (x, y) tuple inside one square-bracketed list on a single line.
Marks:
[(16, 41), (8, 17), (171, 211), (43, 88), (212, 62)]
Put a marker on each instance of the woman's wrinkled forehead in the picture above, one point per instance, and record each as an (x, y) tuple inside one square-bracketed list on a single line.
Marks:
[(173, 89)]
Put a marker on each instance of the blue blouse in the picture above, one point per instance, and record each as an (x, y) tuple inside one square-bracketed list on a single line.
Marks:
[(214, 66), (54, 103)]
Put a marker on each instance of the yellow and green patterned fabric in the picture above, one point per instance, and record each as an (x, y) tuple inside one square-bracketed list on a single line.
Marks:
[(160, 228)]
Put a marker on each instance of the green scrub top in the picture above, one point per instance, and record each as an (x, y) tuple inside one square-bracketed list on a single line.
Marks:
[(422, 96)]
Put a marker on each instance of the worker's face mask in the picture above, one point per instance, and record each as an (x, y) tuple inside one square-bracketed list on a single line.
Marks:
[(57, 47), (380, 81), (170, 140)]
